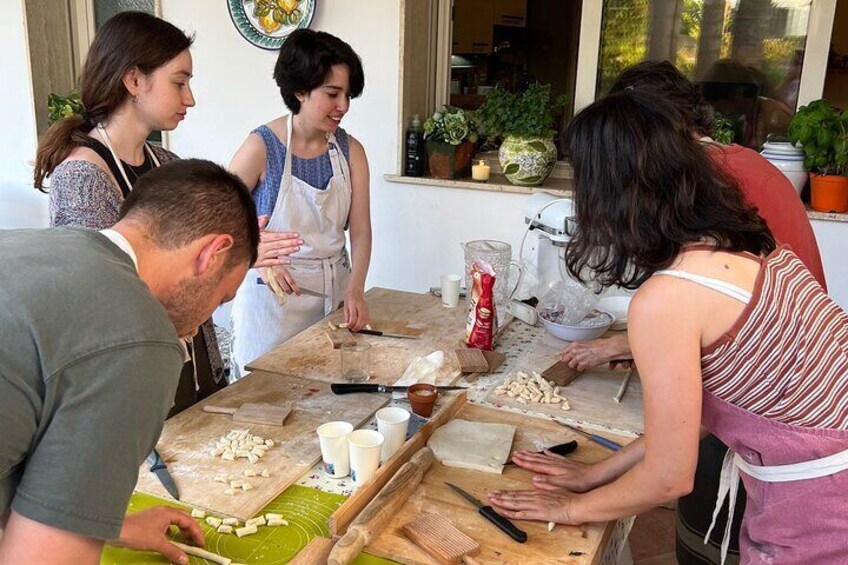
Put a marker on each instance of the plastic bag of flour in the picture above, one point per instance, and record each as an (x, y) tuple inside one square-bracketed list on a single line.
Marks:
[(482, 318)]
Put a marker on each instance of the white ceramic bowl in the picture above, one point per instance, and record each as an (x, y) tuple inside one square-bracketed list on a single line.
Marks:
[(589, 328), (617, 306)]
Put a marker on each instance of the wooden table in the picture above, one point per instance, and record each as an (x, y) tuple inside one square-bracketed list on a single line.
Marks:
[(309, 354)]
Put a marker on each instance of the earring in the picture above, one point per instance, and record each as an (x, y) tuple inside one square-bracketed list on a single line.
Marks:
[(134, 99)]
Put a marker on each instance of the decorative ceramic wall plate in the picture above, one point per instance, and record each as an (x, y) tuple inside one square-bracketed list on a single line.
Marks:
[(267, 23)]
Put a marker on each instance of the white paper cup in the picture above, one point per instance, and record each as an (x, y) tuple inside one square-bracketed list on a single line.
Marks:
[(334, 449), (450, 290), (392, 423), (365, 447)]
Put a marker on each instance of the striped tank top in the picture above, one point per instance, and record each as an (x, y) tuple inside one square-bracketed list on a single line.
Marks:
[(786, 356)]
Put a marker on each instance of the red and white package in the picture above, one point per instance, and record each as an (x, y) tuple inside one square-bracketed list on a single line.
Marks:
[(482, 318)]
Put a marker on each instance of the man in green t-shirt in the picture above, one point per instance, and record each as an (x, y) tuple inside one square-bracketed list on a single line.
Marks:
[(91, 326)]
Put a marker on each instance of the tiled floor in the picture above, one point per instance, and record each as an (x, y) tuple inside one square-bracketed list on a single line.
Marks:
[(652, 538)]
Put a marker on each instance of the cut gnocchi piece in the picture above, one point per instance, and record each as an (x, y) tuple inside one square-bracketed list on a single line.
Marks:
[(198, 513), (222, 529), (246, 531), (277, 522), (230, 521), (213, 521)]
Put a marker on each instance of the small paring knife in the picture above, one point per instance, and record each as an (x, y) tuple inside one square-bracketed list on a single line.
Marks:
[(487, 512), (559, 449), (304, 291), (348, 388), (385, 334), (157, 466), (608, 443)]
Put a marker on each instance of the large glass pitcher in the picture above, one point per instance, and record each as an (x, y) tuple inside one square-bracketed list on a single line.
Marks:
[(498, 255)]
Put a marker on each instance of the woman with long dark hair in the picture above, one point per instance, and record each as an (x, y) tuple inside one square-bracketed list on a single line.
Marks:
[(135, 81), (729, 332)]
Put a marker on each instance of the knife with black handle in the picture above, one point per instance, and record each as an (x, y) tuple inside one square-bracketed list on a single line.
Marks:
[(559, 449), (348, 388), (503, 523)]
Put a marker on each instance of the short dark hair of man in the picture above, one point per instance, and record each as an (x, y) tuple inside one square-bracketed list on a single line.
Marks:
[(674, 87), (187, 199), (305, 60), (644, 188)]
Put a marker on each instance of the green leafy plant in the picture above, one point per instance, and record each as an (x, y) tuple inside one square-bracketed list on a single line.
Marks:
[(60, 107), (451, 125), (521, 114), (724, 130), (823, 133)]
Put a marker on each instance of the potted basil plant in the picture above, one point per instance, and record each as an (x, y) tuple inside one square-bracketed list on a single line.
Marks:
[(823, 134), (450, 136), (523, 124)]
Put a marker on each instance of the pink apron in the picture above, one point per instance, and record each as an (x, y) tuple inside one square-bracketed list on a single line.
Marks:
[(800, 521)]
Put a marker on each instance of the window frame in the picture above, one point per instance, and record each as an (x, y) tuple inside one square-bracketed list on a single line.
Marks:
[(822, 13)]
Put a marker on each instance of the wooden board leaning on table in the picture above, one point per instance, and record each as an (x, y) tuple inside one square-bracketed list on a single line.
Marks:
[(188, 439), (311, 352), (590, 395), (564, 545)]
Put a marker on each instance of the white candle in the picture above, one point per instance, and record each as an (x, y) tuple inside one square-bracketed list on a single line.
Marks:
[(480, 171)]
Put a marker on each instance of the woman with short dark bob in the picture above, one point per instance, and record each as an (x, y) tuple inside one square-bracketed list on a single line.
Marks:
[(309, 177), (730, 333)]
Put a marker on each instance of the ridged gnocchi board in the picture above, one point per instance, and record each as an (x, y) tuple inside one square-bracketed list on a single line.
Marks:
[(188, 440)]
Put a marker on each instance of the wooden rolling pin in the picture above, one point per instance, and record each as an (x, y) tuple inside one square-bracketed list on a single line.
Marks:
[(379, 511)]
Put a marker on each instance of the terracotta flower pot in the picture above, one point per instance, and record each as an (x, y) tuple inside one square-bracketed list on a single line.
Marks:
[(829, 193), (448, 161)]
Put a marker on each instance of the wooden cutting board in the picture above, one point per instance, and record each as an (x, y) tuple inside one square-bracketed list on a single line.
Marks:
[(311, 353), (188, 438), (590, 395), (565, 545)]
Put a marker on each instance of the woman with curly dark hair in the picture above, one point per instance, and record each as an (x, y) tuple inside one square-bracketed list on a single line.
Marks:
[(729, 332)]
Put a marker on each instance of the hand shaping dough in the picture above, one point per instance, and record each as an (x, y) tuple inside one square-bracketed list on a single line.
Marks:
[(473, 445)]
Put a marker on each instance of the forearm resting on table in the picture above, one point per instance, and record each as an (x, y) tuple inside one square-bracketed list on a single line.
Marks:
[(641, 488), (619, 462)]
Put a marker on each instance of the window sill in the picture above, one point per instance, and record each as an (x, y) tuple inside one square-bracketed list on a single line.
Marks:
[(827, 216), (497, 183)]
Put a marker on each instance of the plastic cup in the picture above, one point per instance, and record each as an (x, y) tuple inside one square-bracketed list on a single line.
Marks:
[(365, 447), (392, 423), (334, 448), (450, 290), (355, 362)]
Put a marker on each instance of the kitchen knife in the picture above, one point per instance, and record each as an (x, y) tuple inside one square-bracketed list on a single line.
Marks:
[(305, 291), (157, 465), (559, 449), (608, 443), (489, 514), (384, 334), (347, 388)]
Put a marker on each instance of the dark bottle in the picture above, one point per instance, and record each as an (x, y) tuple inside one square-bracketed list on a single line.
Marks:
[(414, 164)]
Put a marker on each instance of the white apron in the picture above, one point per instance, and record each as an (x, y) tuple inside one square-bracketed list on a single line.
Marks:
[(260, 320)]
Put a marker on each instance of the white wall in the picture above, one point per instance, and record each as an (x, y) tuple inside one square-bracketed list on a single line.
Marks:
[(832, 238), (20, 204)]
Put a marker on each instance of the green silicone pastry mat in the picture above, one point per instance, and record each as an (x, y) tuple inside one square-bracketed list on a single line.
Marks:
[(306, 509)]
